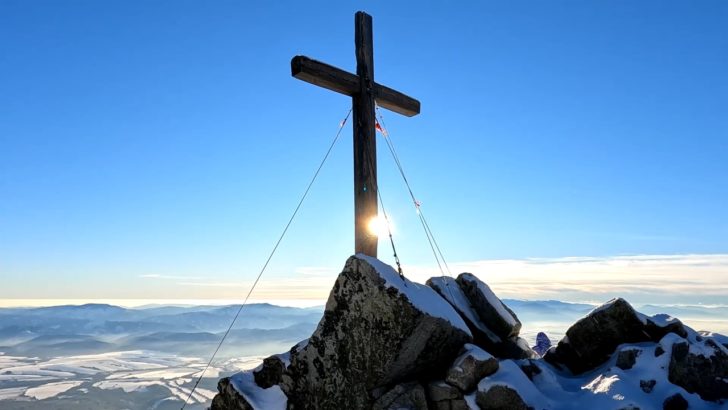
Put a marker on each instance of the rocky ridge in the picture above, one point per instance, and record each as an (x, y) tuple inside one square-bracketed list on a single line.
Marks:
[(385, 342)]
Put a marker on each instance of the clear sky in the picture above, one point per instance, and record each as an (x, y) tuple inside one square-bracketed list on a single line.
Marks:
[(156, 149)]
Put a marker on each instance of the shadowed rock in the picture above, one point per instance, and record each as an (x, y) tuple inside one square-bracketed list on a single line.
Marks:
[(591, 340)]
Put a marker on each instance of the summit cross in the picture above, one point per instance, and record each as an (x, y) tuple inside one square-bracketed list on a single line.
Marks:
[(364, 93)]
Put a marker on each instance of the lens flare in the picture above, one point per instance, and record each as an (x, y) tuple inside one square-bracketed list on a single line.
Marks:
[(378, 226)]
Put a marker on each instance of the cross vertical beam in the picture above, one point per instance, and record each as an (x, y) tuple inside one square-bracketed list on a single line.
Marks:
[(365, 142), (364, 92)]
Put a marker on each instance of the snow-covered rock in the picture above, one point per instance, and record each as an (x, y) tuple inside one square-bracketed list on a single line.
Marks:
[(591, 340), (239, 392), (470, 367), (491, 310), (378, 330), (477, 304), (450, 290)]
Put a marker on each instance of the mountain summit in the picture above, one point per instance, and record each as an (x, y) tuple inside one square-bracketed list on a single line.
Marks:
[(385, 342)]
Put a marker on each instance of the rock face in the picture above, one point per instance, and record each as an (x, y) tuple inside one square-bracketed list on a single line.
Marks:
[(702, 369), (591, 341), (378, 330)]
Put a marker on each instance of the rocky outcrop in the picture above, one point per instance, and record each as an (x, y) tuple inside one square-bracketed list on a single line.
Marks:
[(700, 367), (592, 340), (387, 343), (378, 330)]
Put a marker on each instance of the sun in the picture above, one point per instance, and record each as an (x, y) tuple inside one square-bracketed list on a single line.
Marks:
[(378, 226)]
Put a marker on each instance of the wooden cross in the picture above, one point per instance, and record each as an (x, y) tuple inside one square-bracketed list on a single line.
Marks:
[(364, 92)]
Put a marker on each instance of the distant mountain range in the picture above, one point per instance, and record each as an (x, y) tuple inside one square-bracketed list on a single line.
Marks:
[(195, 330)]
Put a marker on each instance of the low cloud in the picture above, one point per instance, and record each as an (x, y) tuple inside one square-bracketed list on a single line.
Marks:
[(168, 277)]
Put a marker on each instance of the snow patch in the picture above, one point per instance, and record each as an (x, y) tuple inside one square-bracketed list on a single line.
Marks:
[(271, 398), (49, 390), (510, 375)]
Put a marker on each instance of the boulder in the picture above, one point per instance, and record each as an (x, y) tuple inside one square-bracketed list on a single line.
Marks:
[(491, 310), (442, 396), (471, 366), (500, 397), (700, 367), (626, 358), (406, 396), (543, 344), (592, 340), (378, 330), (450, 290)]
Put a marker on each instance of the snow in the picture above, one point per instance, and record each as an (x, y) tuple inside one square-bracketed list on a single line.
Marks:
[(456, 297), (476, 352), (49, 390), (492, 299), (601, 384), (271, 398), (609, 387), (663, 320), (470, 401), (421, 296), (12, 393)]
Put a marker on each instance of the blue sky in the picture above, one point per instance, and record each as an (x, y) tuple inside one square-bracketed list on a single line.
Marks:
[(155, 150)]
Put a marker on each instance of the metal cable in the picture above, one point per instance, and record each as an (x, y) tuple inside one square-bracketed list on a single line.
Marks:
[(290, 220)]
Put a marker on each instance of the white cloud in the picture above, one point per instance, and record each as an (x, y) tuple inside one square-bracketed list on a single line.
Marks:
[(169, 277)]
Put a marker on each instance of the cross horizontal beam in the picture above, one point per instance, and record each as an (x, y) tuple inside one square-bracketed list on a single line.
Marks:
[(344, 82)]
